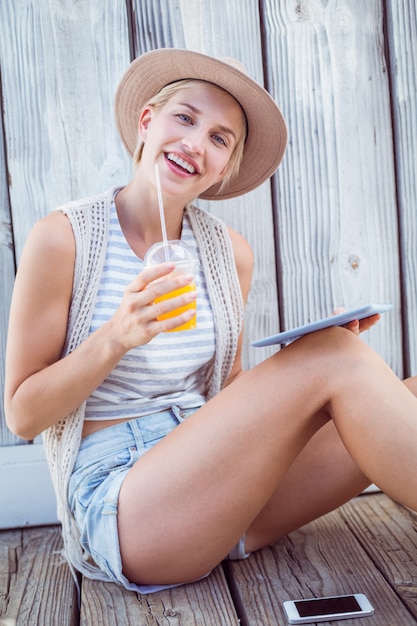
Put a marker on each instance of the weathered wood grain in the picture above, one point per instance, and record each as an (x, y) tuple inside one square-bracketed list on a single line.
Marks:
[(402, 46), (337, 235), (205, 603), (368, 545), (61, 62), (7, 272), (322, 558), (388, 533), (36, 587)]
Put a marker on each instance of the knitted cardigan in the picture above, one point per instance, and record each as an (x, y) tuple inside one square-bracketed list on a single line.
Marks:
[(90, 223)]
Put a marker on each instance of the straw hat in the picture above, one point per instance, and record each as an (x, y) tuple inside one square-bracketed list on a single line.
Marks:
[(267, 133)]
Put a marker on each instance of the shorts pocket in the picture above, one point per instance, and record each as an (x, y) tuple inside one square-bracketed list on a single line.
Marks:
[(107, 468)]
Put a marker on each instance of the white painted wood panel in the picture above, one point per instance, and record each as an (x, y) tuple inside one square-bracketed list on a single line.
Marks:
[(335, 195), (338, 240), (7, 272), (402, 39), (26, 493), (61, 62)]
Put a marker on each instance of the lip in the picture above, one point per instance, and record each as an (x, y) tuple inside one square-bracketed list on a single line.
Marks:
[(185, 158)]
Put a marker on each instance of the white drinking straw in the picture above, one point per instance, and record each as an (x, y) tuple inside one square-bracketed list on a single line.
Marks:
[(161, 211)]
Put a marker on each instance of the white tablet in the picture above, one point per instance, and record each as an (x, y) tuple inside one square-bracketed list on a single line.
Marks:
[(334, 320)]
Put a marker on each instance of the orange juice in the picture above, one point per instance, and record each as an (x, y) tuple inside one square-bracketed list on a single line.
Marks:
[(192, 323), (185, 263)]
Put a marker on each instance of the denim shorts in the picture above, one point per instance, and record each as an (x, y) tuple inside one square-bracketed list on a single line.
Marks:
[(103, 460)]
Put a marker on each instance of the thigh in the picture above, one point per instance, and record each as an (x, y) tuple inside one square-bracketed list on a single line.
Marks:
[(323, 477), (103, 461), (202, 486), (411, 383)]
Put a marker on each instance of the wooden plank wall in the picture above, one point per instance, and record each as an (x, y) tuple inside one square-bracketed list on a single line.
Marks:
[(338, 221), (337, 226), (402, 54)]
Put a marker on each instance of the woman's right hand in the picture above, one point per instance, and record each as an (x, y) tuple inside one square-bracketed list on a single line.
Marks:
[(135, 322)]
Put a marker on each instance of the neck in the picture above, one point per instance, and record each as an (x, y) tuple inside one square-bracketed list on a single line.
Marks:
[(139, 217)]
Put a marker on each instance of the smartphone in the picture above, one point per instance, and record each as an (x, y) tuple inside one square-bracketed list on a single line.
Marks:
[(325, 609)]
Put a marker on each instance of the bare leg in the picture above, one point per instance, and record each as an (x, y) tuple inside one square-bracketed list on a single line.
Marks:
[(411, 384), (186, 503), (322, 478)]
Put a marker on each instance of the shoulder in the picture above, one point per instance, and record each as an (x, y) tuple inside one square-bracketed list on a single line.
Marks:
[(48, 258), (54, 234), (51, 237), (103, 199)]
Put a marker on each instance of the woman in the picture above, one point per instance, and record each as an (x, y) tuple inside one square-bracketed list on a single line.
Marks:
[(166, 457)]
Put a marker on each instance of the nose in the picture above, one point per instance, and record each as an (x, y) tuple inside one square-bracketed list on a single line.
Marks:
[(193, 141)]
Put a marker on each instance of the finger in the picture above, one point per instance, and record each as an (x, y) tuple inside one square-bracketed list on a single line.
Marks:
[(148, 275), (179, 320), (172, 306), (170, 323), (353, 327), (368, 322), (170, 287), (359, 326)]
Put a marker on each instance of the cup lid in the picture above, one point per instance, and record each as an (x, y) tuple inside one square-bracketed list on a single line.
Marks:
[(173, 250)]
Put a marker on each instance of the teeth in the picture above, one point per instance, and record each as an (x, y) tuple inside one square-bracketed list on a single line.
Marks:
[(186, 166)]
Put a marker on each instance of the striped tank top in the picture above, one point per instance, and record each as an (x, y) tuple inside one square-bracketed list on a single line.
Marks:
[(170, 369)]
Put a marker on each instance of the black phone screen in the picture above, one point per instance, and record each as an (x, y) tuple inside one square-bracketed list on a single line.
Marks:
[(327, 606)]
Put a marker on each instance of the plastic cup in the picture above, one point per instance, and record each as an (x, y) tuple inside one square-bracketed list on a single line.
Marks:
[(185, 263)]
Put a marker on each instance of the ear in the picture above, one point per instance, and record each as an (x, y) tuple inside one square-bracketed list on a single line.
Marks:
[(144, 121)]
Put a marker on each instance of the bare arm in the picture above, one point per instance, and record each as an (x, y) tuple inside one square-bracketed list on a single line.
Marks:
[(244, 264), (40, 387)]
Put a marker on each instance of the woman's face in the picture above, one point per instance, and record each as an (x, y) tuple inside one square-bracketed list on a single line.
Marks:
[(191, 137)]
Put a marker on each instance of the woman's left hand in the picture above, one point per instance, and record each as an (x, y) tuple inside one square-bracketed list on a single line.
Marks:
[(359, 326)]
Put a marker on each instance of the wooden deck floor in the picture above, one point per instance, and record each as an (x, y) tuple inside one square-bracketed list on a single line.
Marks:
[(369, 546)]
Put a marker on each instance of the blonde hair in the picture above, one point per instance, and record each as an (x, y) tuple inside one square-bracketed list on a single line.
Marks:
[(163, 96)]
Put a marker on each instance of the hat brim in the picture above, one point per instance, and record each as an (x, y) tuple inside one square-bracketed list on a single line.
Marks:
[(267, 133)]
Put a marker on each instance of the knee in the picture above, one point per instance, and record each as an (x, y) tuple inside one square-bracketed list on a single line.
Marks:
[(331, 351), (331, 339)]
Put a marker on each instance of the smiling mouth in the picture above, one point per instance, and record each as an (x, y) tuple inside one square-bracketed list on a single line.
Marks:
[(187, 167)]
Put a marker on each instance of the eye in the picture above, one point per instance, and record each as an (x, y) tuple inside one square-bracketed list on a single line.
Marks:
[(220, 140), (183, 117)]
